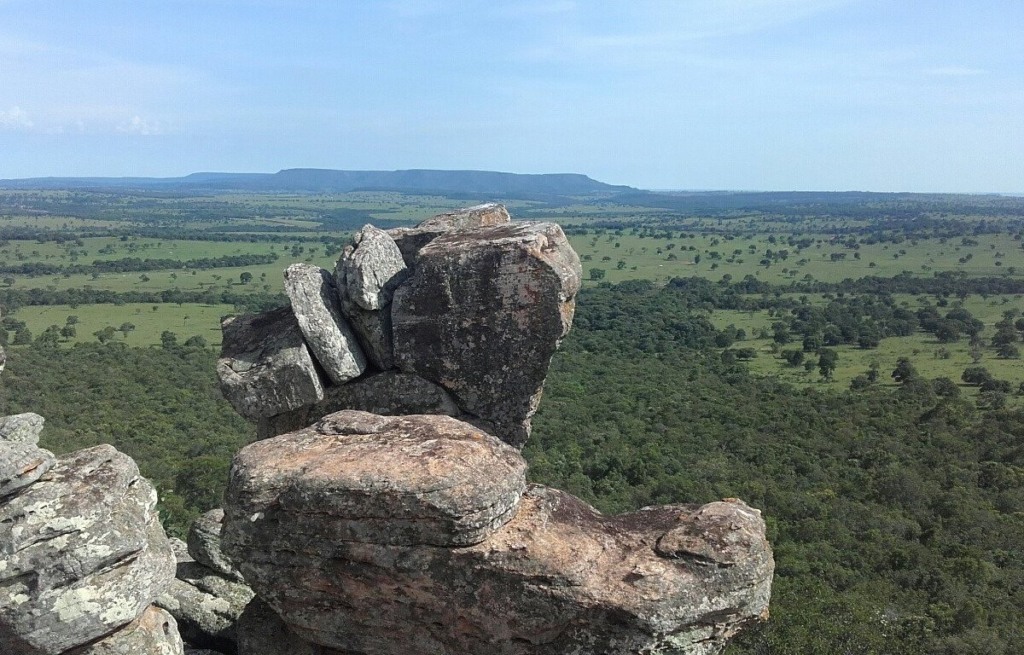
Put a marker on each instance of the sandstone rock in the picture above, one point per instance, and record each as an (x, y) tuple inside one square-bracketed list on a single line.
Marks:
[(389, 394), (180, 550), (206, 606), (411, 240), (482, 315), (204, 544), (82, 553), (153, 633), (265, 367), (315, 303), (370, 269), (357, 476), (261, 632), (21, 427), (558, 578), (21, 464)]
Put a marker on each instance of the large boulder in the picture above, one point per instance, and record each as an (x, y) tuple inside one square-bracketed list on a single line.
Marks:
[(265, 367), (153, 633), (557, 578), (82, 553), (482, 315), (262, 632), (315, 304), (357, 476), (206, 605), (370, 269), (410, 240), (21, 427)]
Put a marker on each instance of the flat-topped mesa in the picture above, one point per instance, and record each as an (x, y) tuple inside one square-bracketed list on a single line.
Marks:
[(464, 310), (415, 535)]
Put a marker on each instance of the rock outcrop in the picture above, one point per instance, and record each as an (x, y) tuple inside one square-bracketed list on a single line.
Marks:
[(82, 556), (21, 427), (153, 633), (466, 303), (372, 534)]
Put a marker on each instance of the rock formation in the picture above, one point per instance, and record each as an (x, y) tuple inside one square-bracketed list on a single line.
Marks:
[(459, 316), (416, 534), (82, 556)]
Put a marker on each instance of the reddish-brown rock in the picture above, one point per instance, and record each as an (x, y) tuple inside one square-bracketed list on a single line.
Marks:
[(482, 315)]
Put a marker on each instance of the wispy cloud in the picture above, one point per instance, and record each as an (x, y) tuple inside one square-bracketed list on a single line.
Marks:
[(140, 126), (15, 118)]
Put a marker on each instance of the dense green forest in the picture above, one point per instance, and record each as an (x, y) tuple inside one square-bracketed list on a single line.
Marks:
[(897, 517)]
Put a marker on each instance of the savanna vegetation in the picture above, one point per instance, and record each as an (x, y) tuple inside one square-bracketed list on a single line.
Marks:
[(848, 363)]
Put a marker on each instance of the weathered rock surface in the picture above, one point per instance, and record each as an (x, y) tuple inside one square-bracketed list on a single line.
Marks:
[(389, 393), (206, 605), (482, 315), (21, 427), (315, 303), (3, 359), (410, 240), (370, 269), (82, 553), (357, 476), (153, 633), (265, 367), (558, 578), (21, 464), (262, 632), (180, 550), (204, 544)]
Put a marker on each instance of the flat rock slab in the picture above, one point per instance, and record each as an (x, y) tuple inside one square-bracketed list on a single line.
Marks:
[(410, 240), (204, 544), (206, 606), (265, 367), (21, 427), (21, 464), (153, 633), (389, 393), (82, 553), (315, 303), (357, 476), (558, 578), (482, 315)]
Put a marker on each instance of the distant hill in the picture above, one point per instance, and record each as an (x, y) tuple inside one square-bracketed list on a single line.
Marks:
[(314, 180)]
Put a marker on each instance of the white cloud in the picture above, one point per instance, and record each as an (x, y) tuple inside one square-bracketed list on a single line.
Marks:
[(140, 126), (15, 118)]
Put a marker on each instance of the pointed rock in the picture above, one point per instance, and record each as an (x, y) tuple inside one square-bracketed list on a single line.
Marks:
[(482, 315), (314, 301), (21, 464), (265, 367)]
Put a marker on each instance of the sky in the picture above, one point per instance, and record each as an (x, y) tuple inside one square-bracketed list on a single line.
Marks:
[(829, 95)]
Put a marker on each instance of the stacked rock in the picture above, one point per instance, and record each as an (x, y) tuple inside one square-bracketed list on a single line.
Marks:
[(208, 594), (457, 316), (418, 534), (82, 552)]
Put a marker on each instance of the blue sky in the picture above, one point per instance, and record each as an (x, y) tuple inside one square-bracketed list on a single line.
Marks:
[(894, 95)]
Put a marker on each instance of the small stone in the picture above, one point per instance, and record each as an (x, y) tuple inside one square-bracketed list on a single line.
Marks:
[(21, 464), (21, 427), (265, 367), (204, 544), (315, 303), (370, 269)]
